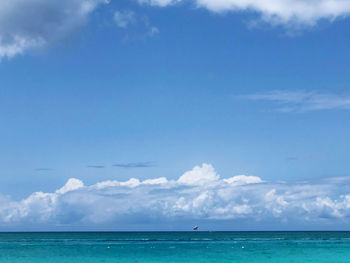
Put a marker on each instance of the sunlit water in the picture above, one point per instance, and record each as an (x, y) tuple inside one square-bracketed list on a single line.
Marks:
[(170, 247)]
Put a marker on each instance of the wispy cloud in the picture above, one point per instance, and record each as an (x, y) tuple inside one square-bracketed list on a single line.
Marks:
[(124, 19), (96, 166), (302, 101), (161, 3), (135, 165), (199, 194), (134, 26)]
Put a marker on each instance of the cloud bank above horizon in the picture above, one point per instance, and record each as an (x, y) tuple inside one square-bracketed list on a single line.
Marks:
[(199, 194)]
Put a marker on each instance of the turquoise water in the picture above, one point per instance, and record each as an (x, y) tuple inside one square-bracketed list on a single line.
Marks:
[(171, 247)]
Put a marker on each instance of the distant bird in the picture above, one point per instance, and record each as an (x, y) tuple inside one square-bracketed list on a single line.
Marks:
[(195, 228)]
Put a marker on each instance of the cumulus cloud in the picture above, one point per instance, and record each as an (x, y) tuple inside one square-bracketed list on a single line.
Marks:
[(26, 24), (71, 185), (301, 101), (199, 194), (286, 12)]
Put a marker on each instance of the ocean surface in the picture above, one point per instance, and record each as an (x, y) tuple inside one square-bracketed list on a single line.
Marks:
[(171, 247)]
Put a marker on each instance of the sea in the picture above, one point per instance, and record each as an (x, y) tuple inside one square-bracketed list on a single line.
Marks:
[(171, 247)]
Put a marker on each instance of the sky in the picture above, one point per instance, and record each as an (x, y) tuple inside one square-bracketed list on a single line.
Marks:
[(164, 114)]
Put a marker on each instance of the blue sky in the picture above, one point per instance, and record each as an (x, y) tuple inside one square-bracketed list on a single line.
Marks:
[(111, 91)]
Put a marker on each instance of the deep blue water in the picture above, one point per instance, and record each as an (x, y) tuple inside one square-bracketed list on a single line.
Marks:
[(171, 247)]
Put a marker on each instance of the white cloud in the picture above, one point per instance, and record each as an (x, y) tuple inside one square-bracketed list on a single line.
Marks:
[(26, 24), (161, 3), (297, 12), (153, 31), (71, 185), (243, 179), (199, 194), (137, 26), (301, 101), (200, 176), (123, 19)]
